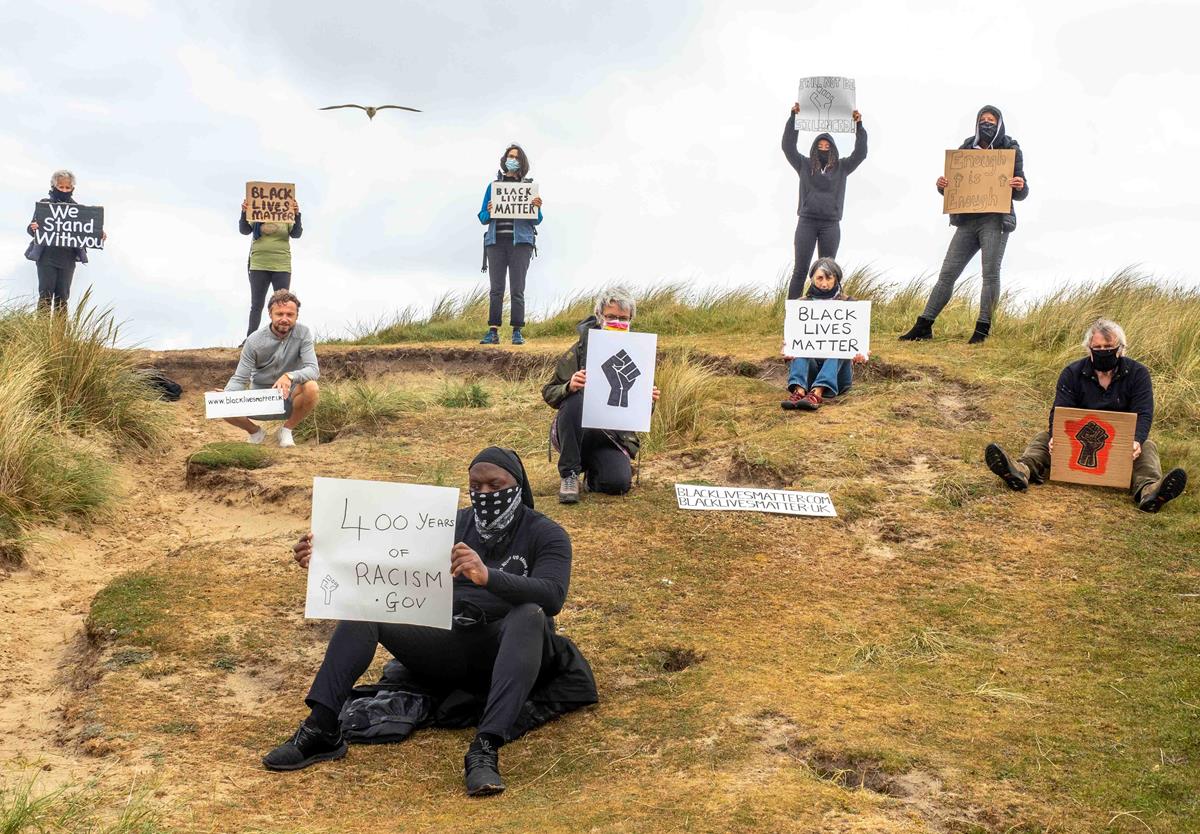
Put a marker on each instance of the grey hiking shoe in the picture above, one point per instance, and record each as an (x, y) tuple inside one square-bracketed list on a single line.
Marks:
[(568, 490)]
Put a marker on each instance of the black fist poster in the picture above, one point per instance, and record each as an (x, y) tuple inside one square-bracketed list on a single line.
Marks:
[(1092, 447), (620, 379)]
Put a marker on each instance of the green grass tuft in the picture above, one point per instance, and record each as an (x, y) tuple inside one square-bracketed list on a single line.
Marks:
[(464, 395), (128, 609), (230, 455)]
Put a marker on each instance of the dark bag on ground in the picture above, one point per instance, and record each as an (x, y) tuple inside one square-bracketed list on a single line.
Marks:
[(166, 388)]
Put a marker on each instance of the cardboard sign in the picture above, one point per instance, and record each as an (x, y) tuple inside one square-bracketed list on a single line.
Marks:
[(748, 499), (246, 403), (70, 225), (826, 329), (978, 182), (1093, 447), (270, 202), (620, 378), (514, 201), (381, 552), (826, 104)]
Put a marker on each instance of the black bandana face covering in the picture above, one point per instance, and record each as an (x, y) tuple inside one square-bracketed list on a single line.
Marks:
[(494, 511)]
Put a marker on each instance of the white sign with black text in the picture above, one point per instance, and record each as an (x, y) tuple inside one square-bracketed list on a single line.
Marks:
[(753, 500), (514, 201), (620, 380), (827, 329), (826, 104), (245, 403)]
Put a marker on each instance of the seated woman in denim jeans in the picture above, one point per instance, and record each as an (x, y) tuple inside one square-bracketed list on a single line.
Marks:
[(811, 380)]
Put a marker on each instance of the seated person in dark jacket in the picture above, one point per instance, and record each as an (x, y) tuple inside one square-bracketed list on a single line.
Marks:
[(604, 456), (511, 569), (1108, 380)]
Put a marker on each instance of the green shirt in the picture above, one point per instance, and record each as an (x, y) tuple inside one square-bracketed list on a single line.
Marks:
[(273, 250)]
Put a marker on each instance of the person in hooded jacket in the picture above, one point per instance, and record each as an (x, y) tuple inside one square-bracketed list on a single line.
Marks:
[(986, 233), (822, 194), (602, 456), (511, 567), (508, 246), (270, 264), (56, 264)]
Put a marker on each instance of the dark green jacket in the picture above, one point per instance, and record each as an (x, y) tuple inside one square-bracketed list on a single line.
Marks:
[(575, 359)]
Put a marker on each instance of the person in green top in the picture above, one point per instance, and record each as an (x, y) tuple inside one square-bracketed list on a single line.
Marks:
[(270, 262)]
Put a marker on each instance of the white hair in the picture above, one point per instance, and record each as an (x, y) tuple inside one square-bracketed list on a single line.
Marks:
[(62, 174), (1107, 328), (620, 296)]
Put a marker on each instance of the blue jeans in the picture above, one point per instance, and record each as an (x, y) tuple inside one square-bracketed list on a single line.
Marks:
[(833, 375)]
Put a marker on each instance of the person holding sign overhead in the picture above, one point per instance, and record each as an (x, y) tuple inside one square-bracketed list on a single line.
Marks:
[(822, 194), (281, 356), (603, 456), (1104, 380), (508, 245), (270, 262), (511, 567), (984, 232), (811, 380), (56, 264)]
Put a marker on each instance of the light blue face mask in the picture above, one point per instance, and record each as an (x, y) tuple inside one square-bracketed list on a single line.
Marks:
[(512, 165)]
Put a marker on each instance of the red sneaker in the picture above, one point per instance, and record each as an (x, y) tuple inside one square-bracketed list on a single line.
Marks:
[(793, 400), (809, 402)]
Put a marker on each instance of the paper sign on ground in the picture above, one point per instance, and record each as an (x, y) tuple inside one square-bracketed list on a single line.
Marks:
[(977, 181), (826, 104), (271, 202), (620, 378), (70, 225), (381, 552), (245, 403), (514, 201), (827, 329), (1093, 447), (749, 499)]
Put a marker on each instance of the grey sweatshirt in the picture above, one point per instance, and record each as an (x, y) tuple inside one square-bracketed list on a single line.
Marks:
[(266, 357)]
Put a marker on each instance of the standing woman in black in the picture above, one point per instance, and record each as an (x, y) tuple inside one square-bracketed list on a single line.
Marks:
[(822, 194), (508, 246), (56, 264)]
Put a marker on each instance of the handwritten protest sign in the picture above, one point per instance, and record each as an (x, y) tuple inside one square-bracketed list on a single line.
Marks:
[(70, 225), (514, 201), (245, 403), (826, 104), (1093, 447), (381, 552), (749, 499), (271, 202), (827, 329), (620, 379), (977, 181)]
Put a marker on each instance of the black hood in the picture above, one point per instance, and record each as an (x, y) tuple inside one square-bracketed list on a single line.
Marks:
[(1000, 141), (814, 154)]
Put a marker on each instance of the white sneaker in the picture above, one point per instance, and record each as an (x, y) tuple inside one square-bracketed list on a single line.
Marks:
[(258, 437), (285, 437)]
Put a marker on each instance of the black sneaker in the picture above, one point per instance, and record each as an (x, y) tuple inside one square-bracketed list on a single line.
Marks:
[(998, 461), (308, 746), (481, 769), (1158, 494)]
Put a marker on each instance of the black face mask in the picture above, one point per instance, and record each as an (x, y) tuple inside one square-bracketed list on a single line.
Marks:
[(1105, 360), (987, 131), (57, 196)]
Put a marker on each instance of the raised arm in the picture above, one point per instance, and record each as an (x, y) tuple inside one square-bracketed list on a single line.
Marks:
[(860, 149), (297, 229), (244, 226), (790, 135)]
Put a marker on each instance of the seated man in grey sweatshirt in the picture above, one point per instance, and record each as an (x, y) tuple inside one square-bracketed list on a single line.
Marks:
[(280, 355)]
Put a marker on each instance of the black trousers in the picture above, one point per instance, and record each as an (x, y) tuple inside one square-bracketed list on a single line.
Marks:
[(591, 451), (54, 284), (512, 258), (823, 235), (501, 657), (260, 281)]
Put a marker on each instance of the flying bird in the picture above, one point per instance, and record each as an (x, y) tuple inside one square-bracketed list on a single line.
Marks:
[(371, 111)]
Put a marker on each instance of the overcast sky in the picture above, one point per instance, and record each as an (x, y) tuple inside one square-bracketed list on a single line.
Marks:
[(653, 130)]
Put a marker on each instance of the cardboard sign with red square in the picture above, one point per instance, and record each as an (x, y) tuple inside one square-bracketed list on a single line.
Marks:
[(1093, 447)]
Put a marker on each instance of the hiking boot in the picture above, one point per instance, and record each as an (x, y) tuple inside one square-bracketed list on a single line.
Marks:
[(1013, 474), (490, 338), (791, 403), (308, 746), (258, 437), (920, 331), (481, 769), (810, 401), (1155, 495), (568, 490), (286, 441), (518, 339), (982, 328)]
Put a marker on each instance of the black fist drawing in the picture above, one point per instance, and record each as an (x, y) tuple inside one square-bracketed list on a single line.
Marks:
[(1092, 437), (621, 372)]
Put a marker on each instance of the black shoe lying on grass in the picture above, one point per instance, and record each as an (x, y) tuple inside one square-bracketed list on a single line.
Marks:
[(998, 461), (1171, 486), (481, 769), (308, 746)]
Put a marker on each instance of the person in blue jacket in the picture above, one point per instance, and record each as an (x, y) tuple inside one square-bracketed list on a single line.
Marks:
[(507, 247)]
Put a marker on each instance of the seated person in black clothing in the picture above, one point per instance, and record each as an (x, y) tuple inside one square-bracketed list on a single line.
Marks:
[(511, 569), (1106, 379), (604, 456)]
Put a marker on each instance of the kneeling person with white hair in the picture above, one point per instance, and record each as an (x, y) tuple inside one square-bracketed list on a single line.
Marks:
[(281, 356)]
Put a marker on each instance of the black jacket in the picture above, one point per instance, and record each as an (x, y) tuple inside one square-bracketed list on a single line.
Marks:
[(822, 193), (1002, 142), (1130, 390)]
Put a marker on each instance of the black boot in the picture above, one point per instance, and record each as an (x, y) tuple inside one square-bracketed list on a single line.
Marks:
[(1154, 496), (481, 768), (308, 746), (982, 328), (1002, 465), (922, 330)]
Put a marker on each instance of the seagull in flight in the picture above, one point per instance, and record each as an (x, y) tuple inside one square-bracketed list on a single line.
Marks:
[(371, 111)]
